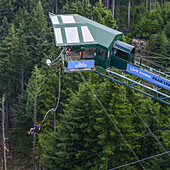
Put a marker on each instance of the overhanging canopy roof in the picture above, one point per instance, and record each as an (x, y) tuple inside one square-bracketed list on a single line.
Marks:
[(127, 48), (75, 30)]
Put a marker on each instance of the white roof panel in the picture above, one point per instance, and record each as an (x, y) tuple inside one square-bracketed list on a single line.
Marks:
[(68, 19), (58, 35), (87, 37), (72, 35), (54, 20)]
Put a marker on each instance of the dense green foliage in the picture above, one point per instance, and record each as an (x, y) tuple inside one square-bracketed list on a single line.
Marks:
[(84, 136), (152, 22)]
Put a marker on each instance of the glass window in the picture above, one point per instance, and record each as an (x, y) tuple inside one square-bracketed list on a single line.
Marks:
[(101, 54), (72, 35), (87, 37), (58, 35), (89, 52), (67, 19), (54, 20)]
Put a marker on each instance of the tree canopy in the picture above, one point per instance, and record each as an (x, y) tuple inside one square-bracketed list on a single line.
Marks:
[(80, 133)]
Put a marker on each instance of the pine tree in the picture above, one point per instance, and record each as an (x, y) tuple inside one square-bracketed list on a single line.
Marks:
[(163, 161), (99, 11), (120, 113), (70, 83), (20, 22), (21, 141), (137, 103), (37, 36), (48, 150), (8, 49), (150, 23), (4, 28), (40, 19), (103, 124), (25, 113), (76, 134), (49, 99), (81, 10), (65, 8), (109, 20), (159, 43), (87, 9), (24, 61), (6, 10), (29, 5), (153, 118), (73, 8)]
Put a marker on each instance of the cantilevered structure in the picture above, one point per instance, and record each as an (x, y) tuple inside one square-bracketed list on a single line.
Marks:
[(86, 39), (90, 46)]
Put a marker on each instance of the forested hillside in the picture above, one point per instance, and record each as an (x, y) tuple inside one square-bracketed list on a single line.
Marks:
[(98, 123)]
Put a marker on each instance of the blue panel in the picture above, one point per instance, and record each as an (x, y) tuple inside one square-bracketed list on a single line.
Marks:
[(148, 76), (81, 64)]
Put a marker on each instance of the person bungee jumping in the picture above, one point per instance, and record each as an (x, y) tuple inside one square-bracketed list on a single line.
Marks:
[(35, 129)]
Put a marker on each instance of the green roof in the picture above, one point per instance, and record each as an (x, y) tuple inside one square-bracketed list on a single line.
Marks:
[(75, 30)]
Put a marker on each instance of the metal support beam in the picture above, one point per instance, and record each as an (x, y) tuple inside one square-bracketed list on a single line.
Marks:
[(151, 92)]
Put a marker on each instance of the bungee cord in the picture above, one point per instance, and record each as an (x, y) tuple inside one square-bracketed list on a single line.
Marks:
[(51, 64), (113, 123), (54, 109), (58, 90), (126, 142)]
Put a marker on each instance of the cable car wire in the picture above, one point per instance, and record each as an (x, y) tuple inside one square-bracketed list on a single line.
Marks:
[(113, 123), (126, 142), (140, 160), (158, 65), (150, 51), (140, 117), (95, 154), (156, 54), (146, 56)]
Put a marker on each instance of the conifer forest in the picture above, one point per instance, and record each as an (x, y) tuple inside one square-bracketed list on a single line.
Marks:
[(98, 124)]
